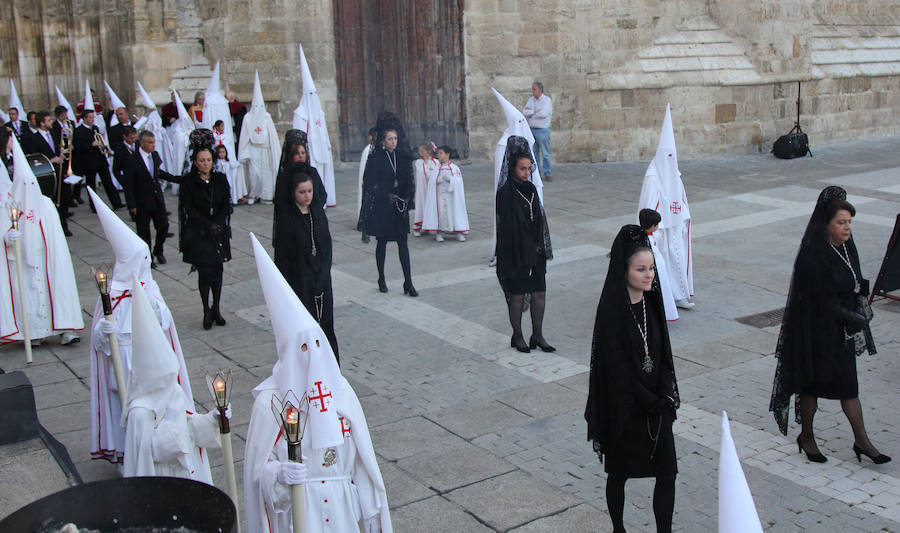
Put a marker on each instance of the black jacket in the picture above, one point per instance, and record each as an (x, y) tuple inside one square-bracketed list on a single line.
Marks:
[(143, 190), (88, 158), (204, 214)]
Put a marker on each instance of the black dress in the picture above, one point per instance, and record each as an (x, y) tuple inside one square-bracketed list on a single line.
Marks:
[(307, 269), (204, 209), (388, 173), (521, 257)]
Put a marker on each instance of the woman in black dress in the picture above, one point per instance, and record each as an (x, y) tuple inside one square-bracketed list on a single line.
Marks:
[(204, 213), (303, 253), (825, 327), (633, 393), (523, 245), (388, 178)]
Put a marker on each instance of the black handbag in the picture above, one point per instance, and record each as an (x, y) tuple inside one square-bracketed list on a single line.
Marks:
[(794, 144)]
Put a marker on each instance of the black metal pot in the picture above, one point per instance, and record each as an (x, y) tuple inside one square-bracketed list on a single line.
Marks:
[(116, 504)]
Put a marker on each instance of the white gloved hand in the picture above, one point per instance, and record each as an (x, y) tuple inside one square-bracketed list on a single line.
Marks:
[(291, 473), (107, 327), (12, 236), (228, 411)]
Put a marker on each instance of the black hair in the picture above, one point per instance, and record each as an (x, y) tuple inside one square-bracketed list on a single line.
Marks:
[(31, 114), (220, 121), (220, 147), (373, 132), (39, 116), (649, 218), (299, 177), (837, 205), (202, 149), (127, 130), (446, 149), (59, 110)]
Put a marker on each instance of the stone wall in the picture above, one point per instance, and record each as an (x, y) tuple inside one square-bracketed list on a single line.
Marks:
[(728, 67)]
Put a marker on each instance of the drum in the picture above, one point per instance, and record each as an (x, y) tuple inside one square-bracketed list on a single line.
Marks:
[(45, 173)]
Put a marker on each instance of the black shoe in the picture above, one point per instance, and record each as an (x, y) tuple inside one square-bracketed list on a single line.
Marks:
[(207, 319), (161, 259), (879, 459), (152, 264), (365, 238), (382, 286), (117, 207), (815, 457), (217, 317), (519, 344), (67, 232), (409, 289), (169, 234), (544, 346), (78, 199)]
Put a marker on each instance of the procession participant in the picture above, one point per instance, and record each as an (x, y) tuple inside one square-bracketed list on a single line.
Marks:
[(16, 110), (163, 435), (303, 254), (259, 149), (88, 158), (215, 109), (6, 161), (363, 158), (132, 261), (180, 134), (341, 477), (51, 294), (294, 159), (423, 168), (663, 191), (309, 117), (633, 393), (445, 201), (523, 245), (649, 221), (196, 109), (28, 140), (153, 122), (238, 111), (516, 125), (119, 118)]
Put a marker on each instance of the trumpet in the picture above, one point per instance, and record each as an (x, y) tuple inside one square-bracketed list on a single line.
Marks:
[(66, 153), (98, 137)]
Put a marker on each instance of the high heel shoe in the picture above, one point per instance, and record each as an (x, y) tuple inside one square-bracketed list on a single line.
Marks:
[(816, 457), (207, 319), (217, 317), (879, 459), (545, 347), (521, 347), (409, 289), (382, 286)]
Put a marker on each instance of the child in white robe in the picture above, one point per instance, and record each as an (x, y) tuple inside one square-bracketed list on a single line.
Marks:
[(230, 168), (445, 200), (424, 166)]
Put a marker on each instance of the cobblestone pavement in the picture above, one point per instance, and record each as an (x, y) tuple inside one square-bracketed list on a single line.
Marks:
[(473, 436)]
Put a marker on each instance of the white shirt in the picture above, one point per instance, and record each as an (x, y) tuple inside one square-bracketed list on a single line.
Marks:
[(46, 135), (538, 111), (148, 161)]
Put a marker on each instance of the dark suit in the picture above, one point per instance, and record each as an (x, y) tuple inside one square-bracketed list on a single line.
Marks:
[(143, 192), (23, 132), (89, 161), (56, 132), (115, 136)]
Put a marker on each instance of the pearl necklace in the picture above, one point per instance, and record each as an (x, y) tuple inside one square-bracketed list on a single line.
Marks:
[(529, 202), (312, 234), (647, 364), (845, 257)]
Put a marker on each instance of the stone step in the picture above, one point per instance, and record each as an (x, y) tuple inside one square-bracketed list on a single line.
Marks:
[(691, 50)]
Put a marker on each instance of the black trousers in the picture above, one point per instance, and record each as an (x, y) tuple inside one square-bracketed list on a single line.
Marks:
[(106, 180), (160, 223)]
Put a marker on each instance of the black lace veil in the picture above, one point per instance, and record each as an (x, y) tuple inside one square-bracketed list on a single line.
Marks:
[(517, 146)]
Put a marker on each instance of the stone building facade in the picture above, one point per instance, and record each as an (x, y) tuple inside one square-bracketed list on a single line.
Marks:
[(729, 68)]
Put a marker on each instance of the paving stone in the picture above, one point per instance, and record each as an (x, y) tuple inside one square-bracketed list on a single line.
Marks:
[(473, 419), (435, 515), (449, 468), (403, 489), (411, 436)]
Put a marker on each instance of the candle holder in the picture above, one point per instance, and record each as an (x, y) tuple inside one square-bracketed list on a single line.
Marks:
[(291, 415), (101, 274), (220, 385), (14, 213)]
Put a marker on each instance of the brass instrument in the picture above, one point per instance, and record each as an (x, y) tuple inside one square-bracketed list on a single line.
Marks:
[(98, 137), (66, 152)]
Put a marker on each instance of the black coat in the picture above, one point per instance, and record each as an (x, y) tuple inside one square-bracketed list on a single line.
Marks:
[(39, 146), (204, 213), (389, 219), (88, 159), (142, 190), (23, 135)]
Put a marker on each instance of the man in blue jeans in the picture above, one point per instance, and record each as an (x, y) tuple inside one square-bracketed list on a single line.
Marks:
[(539, 110)]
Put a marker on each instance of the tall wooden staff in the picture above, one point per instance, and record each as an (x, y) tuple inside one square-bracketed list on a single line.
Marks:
[(26, 330)]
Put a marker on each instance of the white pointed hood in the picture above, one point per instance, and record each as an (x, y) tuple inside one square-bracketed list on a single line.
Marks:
[(306, 362), (213, 92), (25, 194), (132, 253), (65, 103), (14, 101), (145, 98), (737, 512), (151, 116), (515, 121), (309, 117), (88, 101), (153, 379), (183, 116), (116, 103), (257, 93)]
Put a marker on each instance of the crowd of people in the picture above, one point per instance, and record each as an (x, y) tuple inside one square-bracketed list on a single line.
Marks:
[(633, 392)]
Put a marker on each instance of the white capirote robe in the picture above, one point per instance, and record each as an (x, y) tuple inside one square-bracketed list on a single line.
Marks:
[(445, 201), (423, 168), (674, 233), (107, 433), (662, 275), (236, 185), (51, 294), (337, 497), (362, 170), (260, 150), (174, 446)]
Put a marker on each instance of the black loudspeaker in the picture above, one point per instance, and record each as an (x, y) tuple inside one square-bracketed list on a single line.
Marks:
[(795, 143)]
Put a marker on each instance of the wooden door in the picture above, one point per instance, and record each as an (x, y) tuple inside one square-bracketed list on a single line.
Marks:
[(404, 56)]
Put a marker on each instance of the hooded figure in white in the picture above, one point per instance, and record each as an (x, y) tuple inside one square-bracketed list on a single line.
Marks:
[(215, 108), (132, 261), (259, 148), (737, 512), (51, 294), (310, 118), (445, 201), (116, 103), (153, 122), (163, 436), (180, 135), (14, 102), (518, 126), (65, 103), (663, 191), (340, 466)]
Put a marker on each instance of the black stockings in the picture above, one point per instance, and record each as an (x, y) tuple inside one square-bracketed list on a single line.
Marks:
[(402, 251), (516, 305), (663, 502), (852, 410)]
